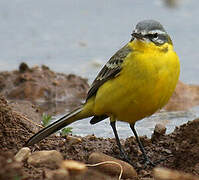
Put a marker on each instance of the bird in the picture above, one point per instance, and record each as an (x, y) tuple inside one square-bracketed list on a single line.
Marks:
[(137, 81)]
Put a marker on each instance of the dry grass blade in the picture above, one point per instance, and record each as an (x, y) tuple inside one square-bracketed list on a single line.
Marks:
[(108, 162)]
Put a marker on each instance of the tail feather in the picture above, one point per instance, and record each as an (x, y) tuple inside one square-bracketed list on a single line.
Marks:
[(57, 125), (97, 119)]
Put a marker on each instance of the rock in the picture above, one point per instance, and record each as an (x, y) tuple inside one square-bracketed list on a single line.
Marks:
[(9, 168), (23, 67), (58, 174), (50, 159), (167, 174), (55, 83), (92, 174), (112, 168), (73, 140), (74, 167), (144, 173), (160, 129), (22, 154)]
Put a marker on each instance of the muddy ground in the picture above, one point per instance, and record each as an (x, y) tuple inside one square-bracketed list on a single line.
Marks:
[(51, 92), (54, 92), (178, 150)]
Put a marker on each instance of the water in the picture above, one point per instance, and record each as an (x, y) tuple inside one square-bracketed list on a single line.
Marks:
[(76, 36), (143, 127)]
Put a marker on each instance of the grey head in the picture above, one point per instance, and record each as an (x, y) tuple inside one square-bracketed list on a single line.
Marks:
[(151, 30)]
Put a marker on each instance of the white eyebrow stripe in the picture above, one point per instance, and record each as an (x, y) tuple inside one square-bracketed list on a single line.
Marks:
[(144, 32), (156, 31)]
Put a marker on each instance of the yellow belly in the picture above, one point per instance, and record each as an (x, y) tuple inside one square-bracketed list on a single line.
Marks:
[(144, 85)]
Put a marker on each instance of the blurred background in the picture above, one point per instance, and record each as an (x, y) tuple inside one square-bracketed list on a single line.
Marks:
[(75, 36)]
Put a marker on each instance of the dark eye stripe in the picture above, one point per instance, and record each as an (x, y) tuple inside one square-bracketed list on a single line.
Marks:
[(151, 36), (156, 38)]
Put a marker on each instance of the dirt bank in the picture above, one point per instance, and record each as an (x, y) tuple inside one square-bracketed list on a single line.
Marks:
[(180, 150), (52, 92), (32, 91)]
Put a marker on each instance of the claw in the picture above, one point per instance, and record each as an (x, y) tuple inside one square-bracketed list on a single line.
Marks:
[(148, 162)]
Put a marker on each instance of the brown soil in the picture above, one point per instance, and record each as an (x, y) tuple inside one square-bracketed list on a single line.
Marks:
[(52, 92), (180, 150), (48, 90), (55, 92)]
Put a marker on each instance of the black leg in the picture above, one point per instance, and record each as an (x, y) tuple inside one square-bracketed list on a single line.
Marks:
[(146, 158), (122, 153)]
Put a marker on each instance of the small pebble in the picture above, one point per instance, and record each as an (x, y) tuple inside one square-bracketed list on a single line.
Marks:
[(160, 129), (56, 83), (73, 140), (58, 174), (167, 151), (22, 154), (91, 137), (23, 67), (112, 168), (50, 159), (168, 174), (144, 172), (74, 167)]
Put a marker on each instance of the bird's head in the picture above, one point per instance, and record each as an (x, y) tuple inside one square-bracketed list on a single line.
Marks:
[(150, 32)]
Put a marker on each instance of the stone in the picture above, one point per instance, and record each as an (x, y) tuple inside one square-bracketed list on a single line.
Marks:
[(22, 154), (167, 174), (50, 159), (160, 129), (113, 165), (73, 140), (23, 67), (58, 174), (74, 167)]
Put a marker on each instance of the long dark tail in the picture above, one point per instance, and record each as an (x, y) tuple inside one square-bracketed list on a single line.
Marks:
[(57, 125)]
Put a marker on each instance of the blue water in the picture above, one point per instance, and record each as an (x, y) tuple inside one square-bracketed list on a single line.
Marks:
[(75, 36), (144, 127)]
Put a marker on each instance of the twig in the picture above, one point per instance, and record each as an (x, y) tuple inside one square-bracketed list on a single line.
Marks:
[(108, 162)]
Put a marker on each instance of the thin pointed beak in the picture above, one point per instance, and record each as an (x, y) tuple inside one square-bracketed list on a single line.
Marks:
[(137, 35)]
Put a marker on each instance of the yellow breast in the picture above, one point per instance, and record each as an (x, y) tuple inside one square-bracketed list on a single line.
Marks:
[(145, 84)]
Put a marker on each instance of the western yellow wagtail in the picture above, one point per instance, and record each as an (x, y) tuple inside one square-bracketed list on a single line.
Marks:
[(137, 81)]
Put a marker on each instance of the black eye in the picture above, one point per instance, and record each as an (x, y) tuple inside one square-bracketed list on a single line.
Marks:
[(152, 36), (155, 35)]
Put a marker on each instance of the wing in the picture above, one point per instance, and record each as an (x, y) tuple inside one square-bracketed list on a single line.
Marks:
[(111, 69)]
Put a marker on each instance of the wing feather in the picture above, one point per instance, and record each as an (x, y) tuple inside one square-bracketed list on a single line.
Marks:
[(111, 69)]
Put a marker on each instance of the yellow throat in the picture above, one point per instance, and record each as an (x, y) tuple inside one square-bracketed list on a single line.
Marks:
[(146, 82)]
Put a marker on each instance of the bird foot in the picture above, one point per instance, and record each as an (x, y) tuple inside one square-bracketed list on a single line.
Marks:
[(125, 158), (148, 162)]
